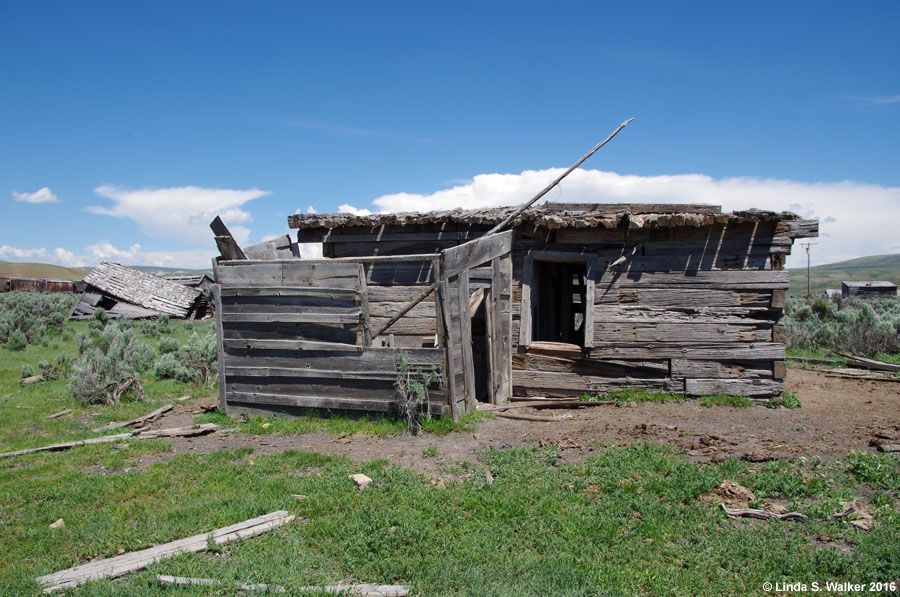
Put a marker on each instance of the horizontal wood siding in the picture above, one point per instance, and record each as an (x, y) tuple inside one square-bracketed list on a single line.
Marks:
[(294, 337), (689, 310)]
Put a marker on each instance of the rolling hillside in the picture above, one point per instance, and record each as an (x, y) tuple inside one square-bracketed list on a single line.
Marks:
[(874, 267), (40, 270)]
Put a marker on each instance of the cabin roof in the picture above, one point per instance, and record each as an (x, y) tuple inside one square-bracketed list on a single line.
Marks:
[(567, 215), (187, 279), (873, 284), (145, 290)]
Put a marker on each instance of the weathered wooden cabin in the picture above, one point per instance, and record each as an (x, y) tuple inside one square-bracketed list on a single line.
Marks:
[(575, 298), (869, 290)]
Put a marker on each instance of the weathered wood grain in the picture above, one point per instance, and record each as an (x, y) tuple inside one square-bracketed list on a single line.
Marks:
[(473, 253), (733, 387), (721, 369)]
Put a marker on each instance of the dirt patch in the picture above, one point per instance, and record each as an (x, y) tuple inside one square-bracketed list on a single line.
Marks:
[(837, 416)]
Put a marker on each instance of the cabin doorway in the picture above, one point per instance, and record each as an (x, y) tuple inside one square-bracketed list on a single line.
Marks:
[(560, 302), (480, 345)]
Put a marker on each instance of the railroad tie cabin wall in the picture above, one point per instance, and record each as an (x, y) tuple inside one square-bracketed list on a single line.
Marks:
[(694, 310)]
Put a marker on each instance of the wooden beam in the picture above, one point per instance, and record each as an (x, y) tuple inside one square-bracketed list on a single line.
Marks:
[(421, 296), (228, 247), (131, 562)]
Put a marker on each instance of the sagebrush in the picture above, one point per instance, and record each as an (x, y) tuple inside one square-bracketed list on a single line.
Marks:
[(848, 325)]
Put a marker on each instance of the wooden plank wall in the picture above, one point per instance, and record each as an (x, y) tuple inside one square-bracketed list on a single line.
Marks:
[(294, 335), (693, 310)]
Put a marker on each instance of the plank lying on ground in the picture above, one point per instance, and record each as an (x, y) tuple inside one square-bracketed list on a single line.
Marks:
[(863, 376), (525, 417), (67, 445), (200, 429), (867, 363), (137, 560), (59, 414), (547, 404), (368, 589), (814, 361), (149, 417), (762, 514), (141, 433), (187, 581)]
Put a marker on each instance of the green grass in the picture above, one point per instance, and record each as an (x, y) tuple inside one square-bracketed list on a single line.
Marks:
[(725, 400), (623, 396), (625, 521)]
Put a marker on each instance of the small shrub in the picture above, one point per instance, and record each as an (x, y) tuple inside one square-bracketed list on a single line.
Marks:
[(725, 400), (168, 345), (109, 370), (168, 367), (198, 355), (101, 315), (27, 370), (162, 324), (149, 329), (412, 387), (17, 340), (789, 399)]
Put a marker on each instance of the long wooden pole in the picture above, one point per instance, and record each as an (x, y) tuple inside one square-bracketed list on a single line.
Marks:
[(499, 227)]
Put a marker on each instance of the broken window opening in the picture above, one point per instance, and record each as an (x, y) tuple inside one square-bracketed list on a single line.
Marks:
[(560, 300)]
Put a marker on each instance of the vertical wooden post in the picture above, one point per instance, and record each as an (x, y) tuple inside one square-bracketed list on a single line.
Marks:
[(364, 307), (465, 326), (590, 281), (220, 345), (451, 339), (502, 285), (491, 325), (526, 302)]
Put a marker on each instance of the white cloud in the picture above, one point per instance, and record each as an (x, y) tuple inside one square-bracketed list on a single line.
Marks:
[(310, 250), (349, 209), (58, 256), (42, 195), (180, 214), (856, 219), (105, 251), (882, 100)]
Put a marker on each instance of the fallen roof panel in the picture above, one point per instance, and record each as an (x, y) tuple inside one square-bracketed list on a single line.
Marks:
[(145, 290)]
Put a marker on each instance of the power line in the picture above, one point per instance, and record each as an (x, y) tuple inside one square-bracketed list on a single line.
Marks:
[(807, 245)]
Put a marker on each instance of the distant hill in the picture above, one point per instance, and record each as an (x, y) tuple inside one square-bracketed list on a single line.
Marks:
[(169, 271), (874, 267), (40, 270)]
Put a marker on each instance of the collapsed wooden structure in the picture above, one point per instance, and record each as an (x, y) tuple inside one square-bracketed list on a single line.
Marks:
[(133, 294), (575, 298)]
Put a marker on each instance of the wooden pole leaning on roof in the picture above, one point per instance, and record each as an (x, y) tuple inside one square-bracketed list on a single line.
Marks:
[(500, 227)]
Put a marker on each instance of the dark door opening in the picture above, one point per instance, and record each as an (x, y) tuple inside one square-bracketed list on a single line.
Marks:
[(559, 302), (480, 345)]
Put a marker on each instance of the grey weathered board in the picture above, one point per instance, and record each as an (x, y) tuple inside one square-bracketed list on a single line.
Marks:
[(294, 335)]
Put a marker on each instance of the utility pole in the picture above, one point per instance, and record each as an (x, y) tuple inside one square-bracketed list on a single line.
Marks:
[(807, 245)]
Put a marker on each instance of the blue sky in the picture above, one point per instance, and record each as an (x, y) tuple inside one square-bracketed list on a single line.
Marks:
[(125, 125)]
